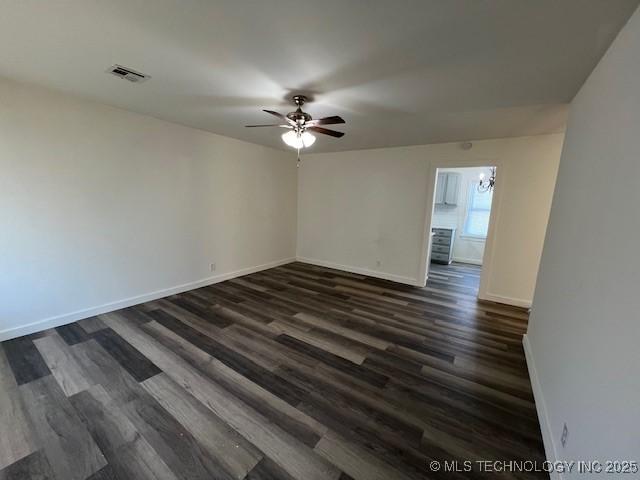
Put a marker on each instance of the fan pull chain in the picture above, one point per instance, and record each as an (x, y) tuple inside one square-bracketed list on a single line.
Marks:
[(298, 164)]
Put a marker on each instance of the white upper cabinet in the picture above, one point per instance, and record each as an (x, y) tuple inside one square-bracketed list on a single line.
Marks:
[(441, 186), (447, 188)]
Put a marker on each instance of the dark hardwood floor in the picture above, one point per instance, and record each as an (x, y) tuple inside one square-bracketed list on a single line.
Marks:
[(295, 372)]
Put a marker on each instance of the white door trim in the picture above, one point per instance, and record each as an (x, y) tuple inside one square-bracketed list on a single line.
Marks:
[(494, 219)]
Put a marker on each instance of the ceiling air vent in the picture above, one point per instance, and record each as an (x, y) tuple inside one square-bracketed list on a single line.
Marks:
[(128, 74)]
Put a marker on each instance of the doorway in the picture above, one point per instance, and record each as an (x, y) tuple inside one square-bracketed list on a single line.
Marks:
[(460, 222)]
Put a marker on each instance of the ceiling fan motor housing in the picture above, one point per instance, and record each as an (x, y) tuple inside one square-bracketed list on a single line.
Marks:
[(299, 116), (299, 100), (301, 122)]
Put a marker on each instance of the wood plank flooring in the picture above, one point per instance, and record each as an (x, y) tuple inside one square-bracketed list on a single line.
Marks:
[(297, 372)]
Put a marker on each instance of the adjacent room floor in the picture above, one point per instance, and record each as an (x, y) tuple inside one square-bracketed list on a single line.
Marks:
[(294, 372), (464, 276)]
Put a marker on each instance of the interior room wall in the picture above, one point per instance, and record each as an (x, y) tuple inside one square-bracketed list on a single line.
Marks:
[(101, 208), (583, 336), (465, 248), (369, 211)]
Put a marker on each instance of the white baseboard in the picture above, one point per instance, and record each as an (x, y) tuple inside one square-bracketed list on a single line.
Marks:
[(541, 407), (471, 261), (63, 319), (516, 302), (362, 271)]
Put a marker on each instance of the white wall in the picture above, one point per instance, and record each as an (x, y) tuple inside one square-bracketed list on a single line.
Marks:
[(465, 249), (361, 207), (584, 334), (99, 205)]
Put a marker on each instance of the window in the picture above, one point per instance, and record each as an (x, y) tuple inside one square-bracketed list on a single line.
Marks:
[(476, 223)]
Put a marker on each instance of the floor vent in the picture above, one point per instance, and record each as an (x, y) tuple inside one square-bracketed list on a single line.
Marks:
[(128, 74)]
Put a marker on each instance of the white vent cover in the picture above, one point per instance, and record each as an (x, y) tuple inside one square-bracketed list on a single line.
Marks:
[(128, 74)]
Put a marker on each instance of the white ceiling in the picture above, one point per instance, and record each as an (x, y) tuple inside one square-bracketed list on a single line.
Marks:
[(400, 72)]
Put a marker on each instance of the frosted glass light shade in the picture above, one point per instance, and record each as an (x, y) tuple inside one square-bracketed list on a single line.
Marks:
[(308, 139), (292, 139), (295, 140)]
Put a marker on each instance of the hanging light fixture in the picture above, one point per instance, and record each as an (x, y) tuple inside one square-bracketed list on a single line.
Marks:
[(298, 139), (308, 139), (299, 123), (292, 139), (486, 185)]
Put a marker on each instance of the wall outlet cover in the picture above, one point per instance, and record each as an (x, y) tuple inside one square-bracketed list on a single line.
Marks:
[(565, 434)]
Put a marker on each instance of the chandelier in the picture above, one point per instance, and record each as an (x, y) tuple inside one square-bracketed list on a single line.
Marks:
[(487, 184)]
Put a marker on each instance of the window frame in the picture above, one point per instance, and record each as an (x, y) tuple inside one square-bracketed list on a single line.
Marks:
[(471, 191)]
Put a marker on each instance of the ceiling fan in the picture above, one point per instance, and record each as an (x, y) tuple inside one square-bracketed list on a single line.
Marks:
[(300, 125)]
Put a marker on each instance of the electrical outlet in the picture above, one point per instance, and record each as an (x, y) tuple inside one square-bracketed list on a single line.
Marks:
[(212, 267), (565, 434)]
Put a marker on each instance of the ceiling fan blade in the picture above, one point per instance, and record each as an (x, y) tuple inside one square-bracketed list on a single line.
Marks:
[(326, 131), (326, 121), (272, 125), (280, 116)]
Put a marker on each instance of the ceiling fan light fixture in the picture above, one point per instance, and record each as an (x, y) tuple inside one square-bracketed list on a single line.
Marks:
[(299, 123), (292, 139), (308, 139), (298, 140)]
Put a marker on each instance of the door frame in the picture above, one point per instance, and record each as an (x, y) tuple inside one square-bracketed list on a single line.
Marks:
[(494, 217)]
